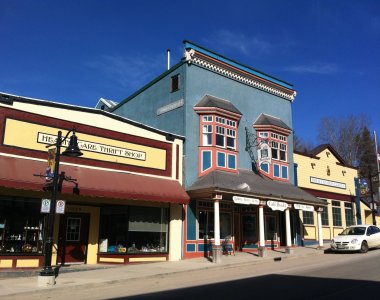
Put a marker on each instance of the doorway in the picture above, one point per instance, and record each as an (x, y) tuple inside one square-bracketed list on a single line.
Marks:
[(73, 238)]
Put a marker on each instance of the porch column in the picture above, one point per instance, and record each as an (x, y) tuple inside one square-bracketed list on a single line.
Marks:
[(320, 232), (288, 233), (216, 248), (262, 248)]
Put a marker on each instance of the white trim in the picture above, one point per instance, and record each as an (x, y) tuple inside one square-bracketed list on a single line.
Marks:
[(241, 78), (202, 160)]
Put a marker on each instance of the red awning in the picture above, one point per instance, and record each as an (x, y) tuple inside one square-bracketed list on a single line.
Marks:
[(18, 173)]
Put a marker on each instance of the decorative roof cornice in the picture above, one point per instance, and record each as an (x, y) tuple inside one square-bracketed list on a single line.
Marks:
[(234, 72)]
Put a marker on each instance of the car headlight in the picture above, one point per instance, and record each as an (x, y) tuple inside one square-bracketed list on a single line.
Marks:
[(354, 241)]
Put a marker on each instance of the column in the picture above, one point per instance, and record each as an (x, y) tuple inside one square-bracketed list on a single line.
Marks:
[(216, 248), (320, 232), (216, 223), (288, 248), (262, 248)]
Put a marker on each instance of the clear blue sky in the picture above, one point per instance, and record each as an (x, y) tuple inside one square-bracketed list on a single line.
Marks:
[(78, 51)]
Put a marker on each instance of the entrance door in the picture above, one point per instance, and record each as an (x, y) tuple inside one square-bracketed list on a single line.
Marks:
[(271, 228), (73, 238)]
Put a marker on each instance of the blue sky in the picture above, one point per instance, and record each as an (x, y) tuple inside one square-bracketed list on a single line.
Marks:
[(78, 51)]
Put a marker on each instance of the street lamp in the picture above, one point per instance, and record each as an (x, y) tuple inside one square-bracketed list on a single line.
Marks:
[(47, 274)]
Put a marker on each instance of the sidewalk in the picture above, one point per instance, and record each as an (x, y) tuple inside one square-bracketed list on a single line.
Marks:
[(80, 275)]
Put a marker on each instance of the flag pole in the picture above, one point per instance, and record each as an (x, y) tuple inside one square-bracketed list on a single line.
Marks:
[(377, 164)]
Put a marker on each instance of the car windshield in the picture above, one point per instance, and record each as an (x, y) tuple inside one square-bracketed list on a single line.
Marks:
[(354, 231)]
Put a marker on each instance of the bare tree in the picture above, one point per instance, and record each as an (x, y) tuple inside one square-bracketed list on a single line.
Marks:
[(300, 145), (344, 135)]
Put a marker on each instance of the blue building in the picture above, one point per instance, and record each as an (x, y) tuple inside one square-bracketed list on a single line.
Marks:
[(238, 155)]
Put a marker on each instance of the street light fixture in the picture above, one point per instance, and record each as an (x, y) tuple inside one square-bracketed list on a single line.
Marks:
[(47, 273)]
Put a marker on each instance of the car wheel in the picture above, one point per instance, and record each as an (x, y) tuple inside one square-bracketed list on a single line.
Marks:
[(364, 247)]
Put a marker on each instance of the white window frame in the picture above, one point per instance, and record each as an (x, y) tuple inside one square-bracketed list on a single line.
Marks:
[(202, 160), (206, 133), (207, 118), (282, 150), (220, 130)]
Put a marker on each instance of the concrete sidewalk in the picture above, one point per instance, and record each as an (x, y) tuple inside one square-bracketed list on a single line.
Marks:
[(80, 275)]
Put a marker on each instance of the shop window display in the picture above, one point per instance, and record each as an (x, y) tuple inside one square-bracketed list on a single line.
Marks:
[(21, 226), (134, 229)]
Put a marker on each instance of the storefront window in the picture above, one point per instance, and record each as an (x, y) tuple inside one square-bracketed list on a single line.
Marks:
[(337, 213), (134, 229), (206, 225), (21, 226), (349, 214)]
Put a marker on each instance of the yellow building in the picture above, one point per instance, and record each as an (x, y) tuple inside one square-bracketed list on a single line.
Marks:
[(120, 202), (323, 173)]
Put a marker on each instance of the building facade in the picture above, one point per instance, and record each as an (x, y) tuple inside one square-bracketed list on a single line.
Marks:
[(238, 153), (121, 202), (324, 174)]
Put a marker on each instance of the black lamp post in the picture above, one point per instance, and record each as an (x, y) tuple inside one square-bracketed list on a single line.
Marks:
[(72, 150)]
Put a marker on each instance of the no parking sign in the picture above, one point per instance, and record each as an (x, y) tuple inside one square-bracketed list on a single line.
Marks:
[(60, 207)]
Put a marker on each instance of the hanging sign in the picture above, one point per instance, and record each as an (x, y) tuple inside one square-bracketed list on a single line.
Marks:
[(60, 207), (304, 207), (245, 200), (276, 205), (45, 206)]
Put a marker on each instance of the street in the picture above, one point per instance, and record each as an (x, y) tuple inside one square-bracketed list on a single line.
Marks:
[(328, 276)]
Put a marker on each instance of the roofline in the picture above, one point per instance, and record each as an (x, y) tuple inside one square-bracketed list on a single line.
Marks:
[(189, 44), (90, 110), (148, 85)]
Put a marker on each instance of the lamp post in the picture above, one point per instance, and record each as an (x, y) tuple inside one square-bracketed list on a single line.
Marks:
[(47, 274)]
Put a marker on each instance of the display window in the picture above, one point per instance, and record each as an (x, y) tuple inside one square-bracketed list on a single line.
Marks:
[(133, 229), (21, 226)]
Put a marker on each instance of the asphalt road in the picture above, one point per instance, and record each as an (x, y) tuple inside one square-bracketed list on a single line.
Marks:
[(330, 276)]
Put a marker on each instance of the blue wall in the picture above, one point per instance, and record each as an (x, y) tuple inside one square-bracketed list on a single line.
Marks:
[(250, 101), (142, 107), (195, 82)]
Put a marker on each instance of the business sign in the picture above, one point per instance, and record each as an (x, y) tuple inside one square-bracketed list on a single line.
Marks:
[(60, 207), (304, 207), (45, 138), (276, 205), (33, 136), (170, 107), (326, 182), (245, 200), (45, 206)]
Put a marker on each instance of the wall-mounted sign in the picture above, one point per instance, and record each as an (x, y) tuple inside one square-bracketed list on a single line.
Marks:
[(45, 206), (170, 107), (245, 200), (45, 138), (276, 205), (331, 183), (27, 135), (304, 207)]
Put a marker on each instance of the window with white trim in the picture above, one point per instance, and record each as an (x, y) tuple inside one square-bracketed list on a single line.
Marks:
[(263, 135), (220, 131), (207, 135), (282, 152), (207, 118), (274, 146), (231, 138), (220, 120), (231, 123)]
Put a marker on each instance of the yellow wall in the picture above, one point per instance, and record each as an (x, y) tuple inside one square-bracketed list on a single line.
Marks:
[(318, 168), (175, 232), (338, 173)]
